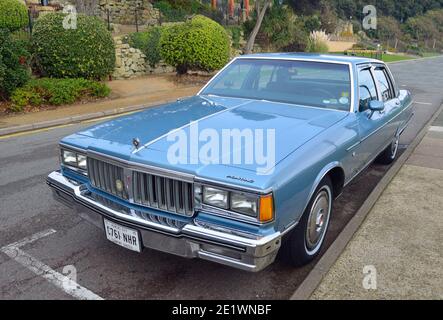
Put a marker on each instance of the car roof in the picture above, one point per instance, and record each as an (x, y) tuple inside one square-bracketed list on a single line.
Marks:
[(313, 56)]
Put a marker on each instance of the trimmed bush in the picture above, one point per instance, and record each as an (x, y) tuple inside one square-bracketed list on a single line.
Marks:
[(13, 15), (85, 52), (149, 43), (198, 44), (56, 92), (14, 71)]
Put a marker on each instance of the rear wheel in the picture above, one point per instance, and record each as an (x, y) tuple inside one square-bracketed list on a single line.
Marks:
[(305, 241), (390, 153)]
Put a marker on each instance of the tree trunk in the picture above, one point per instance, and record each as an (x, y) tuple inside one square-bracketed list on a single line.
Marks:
[(260, 16)]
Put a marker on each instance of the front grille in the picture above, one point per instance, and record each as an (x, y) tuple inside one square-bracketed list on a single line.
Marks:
[(147, 189), (104, 176), (163, 193)]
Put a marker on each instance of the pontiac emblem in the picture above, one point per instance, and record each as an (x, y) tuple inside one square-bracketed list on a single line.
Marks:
[(136, 142), (119, 185)]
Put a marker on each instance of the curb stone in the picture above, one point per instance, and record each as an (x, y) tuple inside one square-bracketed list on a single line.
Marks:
[(78, 118), (315, 276)]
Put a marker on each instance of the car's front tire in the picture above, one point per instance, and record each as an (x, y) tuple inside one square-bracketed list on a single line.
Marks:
[(390, 153), (305, 241)]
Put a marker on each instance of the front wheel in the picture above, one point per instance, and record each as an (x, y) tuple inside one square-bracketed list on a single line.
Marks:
[(390, 153), (305, 241)]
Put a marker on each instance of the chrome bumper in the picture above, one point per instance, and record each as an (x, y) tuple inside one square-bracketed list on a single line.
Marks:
[(192, 240)]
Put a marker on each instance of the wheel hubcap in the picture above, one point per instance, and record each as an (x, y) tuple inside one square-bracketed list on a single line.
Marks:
[(318, 219)]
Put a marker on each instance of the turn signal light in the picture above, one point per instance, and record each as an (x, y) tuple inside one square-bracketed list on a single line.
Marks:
[(266, 208)]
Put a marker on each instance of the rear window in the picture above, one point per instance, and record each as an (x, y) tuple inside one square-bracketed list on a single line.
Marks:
[(318, 84)]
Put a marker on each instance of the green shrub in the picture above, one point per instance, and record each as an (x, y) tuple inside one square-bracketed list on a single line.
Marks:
[(198, 44), (84, 52), (14, 71), (13, 15), (149, 43), (235, 32), (56, 92)]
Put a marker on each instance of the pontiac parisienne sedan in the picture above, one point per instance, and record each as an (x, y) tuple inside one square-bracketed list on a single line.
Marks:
[(326, 117)]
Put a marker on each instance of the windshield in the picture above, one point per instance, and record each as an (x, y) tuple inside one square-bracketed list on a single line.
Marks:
[(318, 84)]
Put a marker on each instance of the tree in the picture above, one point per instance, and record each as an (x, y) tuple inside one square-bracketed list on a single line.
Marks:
[(260, 15), (388, 28)]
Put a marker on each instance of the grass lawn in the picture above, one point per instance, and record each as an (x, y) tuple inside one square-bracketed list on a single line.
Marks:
[(395, 57)]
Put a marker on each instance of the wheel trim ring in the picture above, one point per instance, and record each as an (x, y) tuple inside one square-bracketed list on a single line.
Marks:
[(312, 248)]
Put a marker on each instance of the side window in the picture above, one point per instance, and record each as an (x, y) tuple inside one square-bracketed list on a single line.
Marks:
[(387, 92), (366, 87)]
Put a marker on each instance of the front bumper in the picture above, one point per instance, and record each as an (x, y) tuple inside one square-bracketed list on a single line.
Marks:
[(191, 240)]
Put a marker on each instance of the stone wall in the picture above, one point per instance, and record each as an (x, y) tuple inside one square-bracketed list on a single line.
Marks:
[(123, 11), (131, 62)]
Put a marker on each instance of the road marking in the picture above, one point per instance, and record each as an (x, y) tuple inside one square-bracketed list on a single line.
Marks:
[(424, 103), (39, 268), (436, 128)]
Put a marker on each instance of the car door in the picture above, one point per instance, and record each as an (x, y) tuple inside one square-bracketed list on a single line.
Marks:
[(371, 125), (388, 94)]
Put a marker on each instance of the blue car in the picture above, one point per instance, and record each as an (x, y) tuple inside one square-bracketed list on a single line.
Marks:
[(249, 166)]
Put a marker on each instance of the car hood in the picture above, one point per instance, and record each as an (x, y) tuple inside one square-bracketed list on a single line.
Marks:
[(156, 128)]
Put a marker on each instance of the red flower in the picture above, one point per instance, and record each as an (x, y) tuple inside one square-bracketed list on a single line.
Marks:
[(22, 60)]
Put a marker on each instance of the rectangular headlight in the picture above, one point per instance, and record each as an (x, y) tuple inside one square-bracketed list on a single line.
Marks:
[(215, 197), (246, 204), (81, 161), (74, 160), (69, 158)]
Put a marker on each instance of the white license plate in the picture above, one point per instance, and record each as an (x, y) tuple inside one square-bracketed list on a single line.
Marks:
[(125, 237)]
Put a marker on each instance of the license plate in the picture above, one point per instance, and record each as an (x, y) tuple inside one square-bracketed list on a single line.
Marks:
[(125, 237)]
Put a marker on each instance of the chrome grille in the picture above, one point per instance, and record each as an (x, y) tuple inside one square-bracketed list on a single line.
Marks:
[(147, 189), (104, 176), (163, 193)]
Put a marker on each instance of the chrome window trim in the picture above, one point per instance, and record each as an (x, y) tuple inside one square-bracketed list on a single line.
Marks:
[(349, 64)]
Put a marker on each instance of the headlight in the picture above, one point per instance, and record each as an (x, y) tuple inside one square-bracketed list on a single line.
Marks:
[(81, 161), (69, 158), (245, 204), (215, 197), (74, 160), (253, 206)]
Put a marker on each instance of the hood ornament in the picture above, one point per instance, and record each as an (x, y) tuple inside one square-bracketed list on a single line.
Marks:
[(136, 142)]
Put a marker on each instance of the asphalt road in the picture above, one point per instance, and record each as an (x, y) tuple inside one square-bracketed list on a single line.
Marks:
[(112, 272)]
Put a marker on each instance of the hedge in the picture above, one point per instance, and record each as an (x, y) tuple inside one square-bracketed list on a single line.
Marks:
[(199, 44), (13, 15), (14, 71), (87, 51), (51, 91)]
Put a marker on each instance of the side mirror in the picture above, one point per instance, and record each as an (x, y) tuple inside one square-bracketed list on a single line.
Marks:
[(375, 105)]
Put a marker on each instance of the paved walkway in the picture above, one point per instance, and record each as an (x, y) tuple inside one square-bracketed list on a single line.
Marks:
[(401, 240), (147, 90)]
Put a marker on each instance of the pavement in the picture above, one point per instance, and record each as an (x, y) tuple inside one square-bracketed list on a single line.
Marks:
[(38, 234), (398, 251), (126, 96)]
